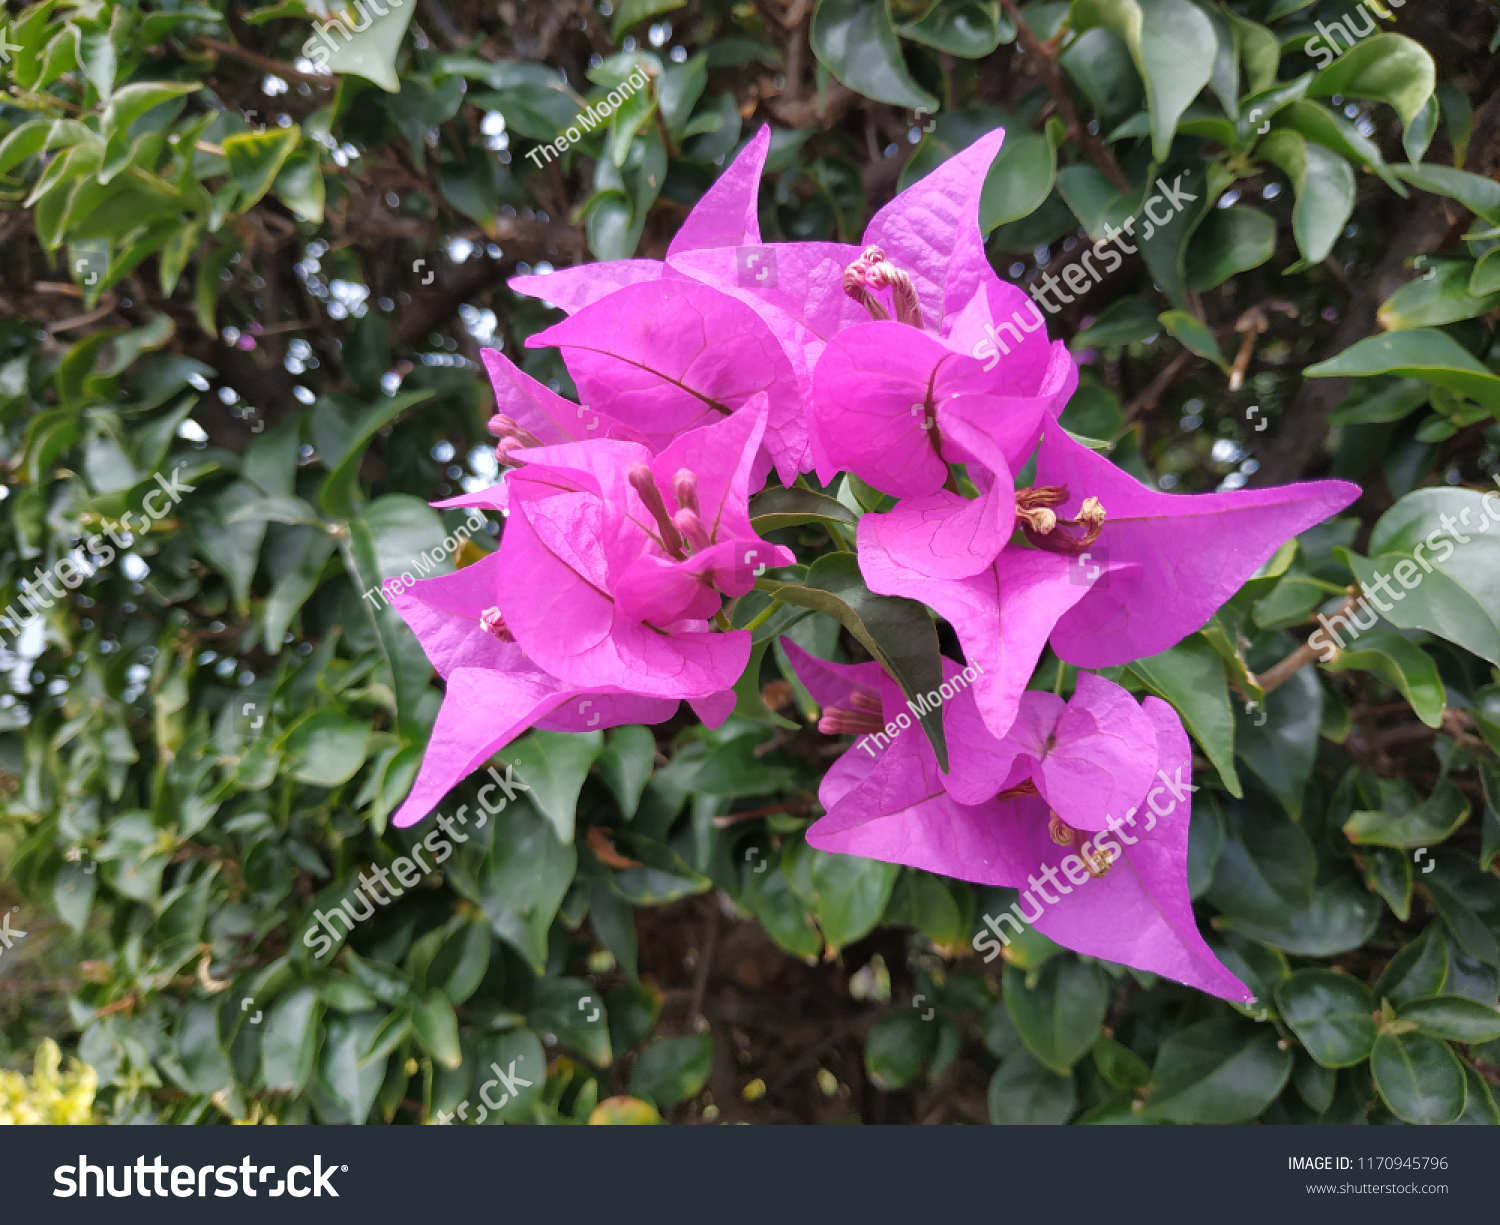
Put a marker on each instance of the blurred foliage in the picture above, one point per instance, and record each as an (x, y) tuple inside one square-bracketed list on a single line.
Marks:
[(271, 285), (48, 1097)]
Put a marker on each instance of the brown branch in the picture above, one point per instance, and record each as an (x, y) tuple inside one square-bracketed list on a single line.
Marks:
[(1154, 391), (264, 62), (1046, 55), (734, 818), (1278, 674)]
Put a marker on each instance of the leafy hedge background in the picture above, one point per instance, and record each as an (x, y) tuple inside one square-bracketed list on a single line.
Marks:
[(214, 259)]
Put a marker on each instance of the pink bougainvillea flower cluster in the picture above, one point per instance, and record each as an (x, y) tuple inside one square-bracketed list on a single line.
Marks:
[(904, 361)]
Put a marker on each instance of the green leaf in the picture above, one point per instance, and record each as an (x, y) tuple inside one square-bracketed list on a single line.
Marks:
[(1387, 68), (73, 894), (255, 159), (325, 748), (130, 103), (1342, 916), (299, 185), (1018, 181), (1481, 196), (573, 1010), (460, 963), (1416, 971), (348, 1079), (1230, 241), (632, 12), (1419, 353), (673, 1069), (855, 41), (779, 508), (1419, 1078), (625, 765), (898, 633), (1451, 574), (1403, 665), (1120, 1065), (1331, 1014), (897, 1048), (851, 894), (289, 1041), (1266, 869), (1024, 1091), (339, 493), (554, 765), (524, 880), (436, 1028), (371, 52), (1195, 336), (1059, 1016), (1453, 1017), (1173, 46), (200, 1051), (1401, 824), (518, 1053), (1441, 296), (1279, 742), (1123, 322), (969, 29), (1324, 185), (382, 543), (1217, 1071)]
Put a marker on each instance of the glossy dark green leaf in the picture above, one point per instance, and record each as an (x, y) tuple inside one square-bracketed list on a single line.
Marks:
[(1218, 1071), (1025, 1091), (1387, 68), (1059, 1016), (1453, 1017), (1331, 1014), (1230, 241), (1400, 825), (897, 1047), (1451, 574), (289, 1041), (898, 633), (1419, 1078), (855, 40), (1173, 45), (673, 1069), (1191, 677), (1265, 872)]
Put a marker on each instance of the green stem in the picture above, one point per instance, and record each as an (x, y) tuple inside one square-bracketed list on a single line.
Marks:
[(763, 616)]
